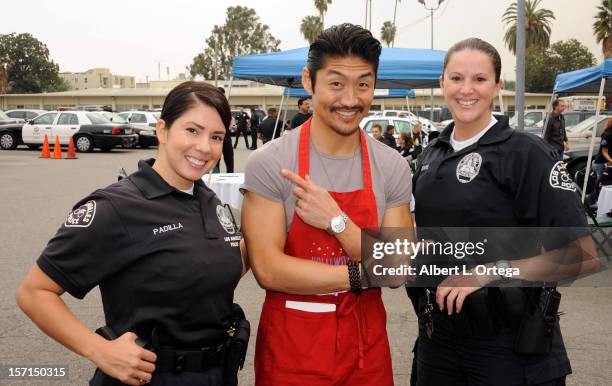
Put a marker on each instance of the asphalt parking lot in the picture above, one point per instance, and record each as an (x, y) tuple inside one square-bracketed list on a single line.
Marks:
[(37, 194)]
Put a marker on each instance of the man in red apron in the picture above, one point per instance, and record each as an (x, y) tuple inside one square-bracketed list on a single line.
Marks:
[(317, 327)]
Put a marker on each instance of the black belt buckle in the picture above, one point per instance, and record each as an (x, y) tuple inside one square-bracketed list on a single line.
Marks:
[(179, 363)]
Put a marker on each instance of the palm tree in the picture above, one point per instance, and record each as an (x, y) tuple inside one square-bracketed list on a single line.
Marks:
[(387, 33), (311, 27), (394, 25), (537, 25), (321, 6), (603, 27)]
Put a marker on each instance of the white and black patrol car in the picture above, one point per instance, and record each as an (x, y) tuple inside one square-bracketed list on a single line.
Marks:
[(88, 129)]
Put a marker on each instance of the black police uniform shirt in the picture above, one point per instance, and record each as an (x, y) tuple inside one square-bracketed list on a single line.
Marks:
[(161, 257), (606, 141), (241, 120), (505, 179), (299, 119)]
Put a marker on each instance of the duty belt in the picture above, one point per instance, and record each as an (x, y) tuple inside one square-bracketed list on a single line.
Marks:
[(196, 360)]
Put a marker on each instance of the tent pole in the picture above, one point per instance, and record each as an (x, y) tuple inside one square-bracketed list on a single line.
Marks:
[(286, 108), (278, 116), (593, 133), (407, 103), (501, 103), (229, 91)]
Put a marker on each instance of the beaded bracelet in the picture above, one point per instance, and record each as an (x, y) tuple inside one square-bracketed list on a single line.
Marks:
[(354, 277)]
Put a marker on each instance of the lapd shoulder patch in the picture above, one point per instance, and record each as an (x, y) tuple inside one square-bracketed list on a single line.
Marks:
[(560, 178), (468, 167), (225, 220), (82, 216)]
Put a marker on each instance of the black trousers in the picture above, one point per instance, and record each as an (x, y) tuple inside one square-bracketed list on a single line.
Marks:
[(451, 358), (254, 137), (242, 131), (228, 154), (213, 377)]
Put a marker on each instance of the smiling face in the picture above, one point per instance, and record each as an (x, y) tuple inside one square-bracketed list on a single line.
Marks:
[(343, 93), (190, 147), (469, 87), (376, 132)]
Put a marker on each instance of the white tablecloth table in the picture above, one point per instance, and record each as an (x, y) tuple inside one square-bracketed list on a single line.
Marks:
[(604, 203), (227, 187)]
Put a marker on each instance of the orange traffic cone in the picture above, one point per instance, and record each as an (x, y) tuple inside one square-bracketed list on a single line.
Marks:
[(46, 153), (57, 150), (71, 153)]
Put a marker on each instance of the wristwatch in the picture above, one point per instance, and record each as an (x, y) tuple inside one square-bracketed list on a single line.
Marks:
[(337, 224), (505, 264)]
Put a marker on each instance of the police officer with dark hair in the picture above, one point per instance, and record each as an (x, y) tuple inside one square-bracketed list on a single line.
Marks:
[(481, 174), (242, 122), (554, 133), (303, 114), (164, 252)]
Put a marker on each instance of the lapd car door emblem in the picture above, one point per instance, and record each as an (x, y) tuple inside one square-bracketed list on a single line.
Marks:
[(468, 167), (560, 178), (82, 216), (225, 220)]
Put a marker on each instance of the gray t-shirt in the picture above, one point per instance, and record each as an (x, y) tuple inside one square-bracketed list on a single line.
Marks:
[(391, 175)]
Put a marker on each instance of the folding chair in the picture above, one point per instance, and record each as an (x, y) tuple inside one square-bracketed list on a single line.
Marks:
[(601, 228)]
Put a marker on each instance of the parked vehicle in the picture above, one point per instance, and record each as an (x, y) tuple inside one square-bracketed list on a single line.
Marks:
[(25, 114), (147, 136), (530, 118), (6, 120), (579, 138), (10, 136), (90, 130), (401, 124)]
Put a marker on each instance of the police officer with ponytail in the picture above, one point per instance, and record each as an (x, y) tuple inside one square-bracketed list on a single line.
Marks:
[(165, 254)]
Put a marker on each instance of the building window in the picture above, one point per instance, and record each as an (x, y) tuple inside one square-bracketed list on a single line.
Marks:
[(85, 80)]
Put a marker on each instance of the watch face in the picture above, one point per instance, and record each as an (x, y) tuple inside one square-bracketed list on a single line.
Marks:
[(337, 225)]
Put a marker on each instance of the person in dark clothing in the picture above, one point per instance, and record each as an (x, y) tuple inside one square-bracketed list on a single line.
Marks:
[(303, 115), (267, 126), (242, 122), (406, 147), (554, 133), (388, 138), (377, 132), (228, 150), (254, 128), (418, 136)]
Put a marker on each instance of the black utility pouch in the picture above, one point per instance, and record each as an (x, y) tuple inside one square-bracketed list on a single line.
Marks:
[(537, 328), (479, 313), (238, 342)]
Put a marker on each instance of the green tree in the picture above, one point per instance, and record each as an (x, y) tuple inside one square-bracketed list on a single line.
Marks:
[(387, 33), (537, 25), (543, 66), (321, 6), (311, 27), (59, 85), (28, 67), (603, 27), (242, 34)]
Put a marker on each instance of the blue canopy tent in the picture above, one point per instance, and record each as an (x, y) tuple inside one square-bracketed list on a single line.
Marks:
[(399, 68), (586, 80)]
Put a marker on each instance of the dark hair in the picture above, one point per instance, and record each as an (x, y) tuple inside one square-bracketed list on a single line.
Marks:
[(390, 127), (271, 110), (608, 125), (407, 138), (377, 125), (555, 103), (478, 45), (187, 94), (341, 41), (221, 89), (302, 100)]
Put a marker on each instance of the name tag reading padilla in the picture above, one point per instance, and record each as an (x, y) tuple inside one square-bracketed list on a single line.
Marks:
[(310, 306)]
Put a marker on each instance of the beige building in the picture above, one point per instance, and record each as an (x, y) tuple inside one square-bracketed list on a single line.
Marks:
[(243, 93), (97, 78)]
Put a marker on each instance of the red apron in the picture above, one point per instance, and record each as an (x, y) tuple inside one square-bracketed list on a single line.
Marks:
[(348, 346)]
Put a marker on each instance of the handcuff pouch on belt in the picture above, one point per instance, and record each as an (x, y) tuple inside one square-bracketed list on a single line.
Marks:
[(229, 355)]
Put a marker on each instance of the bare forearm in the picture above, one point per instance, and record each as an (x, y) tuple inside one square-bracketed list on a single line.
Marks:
[(350, 240), (49, 312), (288, 274)]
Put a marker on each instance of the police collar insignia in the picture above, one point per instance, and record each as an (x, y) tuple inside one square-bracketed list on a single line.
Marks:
[(82, 216), (560, 178), (468, 167), (225, 220)]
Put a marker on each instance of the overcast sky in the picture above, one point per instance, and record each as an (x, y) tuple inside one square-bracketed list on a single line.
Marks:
[(130, 37)]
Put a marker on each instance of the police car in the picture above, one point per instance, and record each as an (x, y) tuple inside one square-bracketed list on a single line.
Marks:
[(89, 129)]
